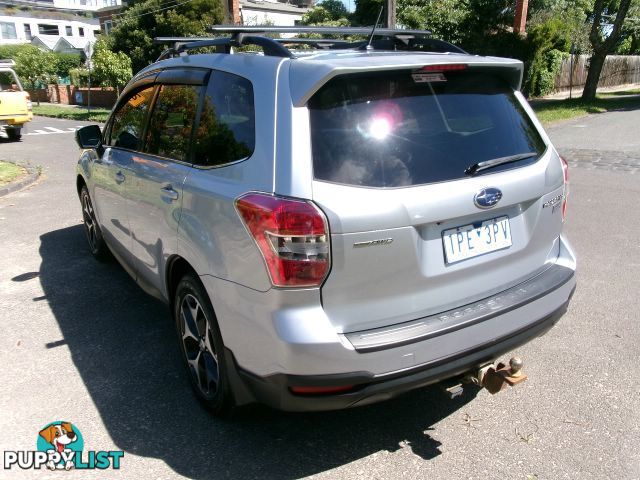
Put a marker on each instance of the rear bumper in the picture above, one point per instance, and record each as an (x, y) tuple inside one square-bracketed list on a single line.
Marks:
[(283, 338), (274, 390)]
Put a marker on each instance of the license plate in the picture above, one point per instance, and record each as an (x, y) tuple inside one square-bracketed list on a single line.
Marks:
[(470, 241)]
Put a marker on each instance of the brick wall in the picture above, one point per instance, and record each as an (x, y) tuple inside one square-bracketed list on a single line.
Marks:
[(99, 97), (72, 95)]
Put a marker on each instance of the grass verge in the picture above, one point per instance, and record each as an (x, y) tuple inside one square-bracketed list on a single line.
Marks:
[(72, 113), (10, 172), (549, 111)]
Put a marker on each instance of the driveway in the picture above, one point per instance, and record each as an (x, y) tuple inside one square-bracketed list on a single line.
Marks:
[(80, 342)]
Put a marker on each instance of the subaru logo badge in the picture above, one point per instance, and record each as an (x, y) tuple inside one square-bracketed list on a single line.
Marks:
[(487, 197)]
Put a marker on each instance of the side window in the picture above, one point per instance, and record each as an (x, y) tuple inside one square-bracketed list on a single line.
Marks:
[(226, 131), (128, 120), (172, 119)]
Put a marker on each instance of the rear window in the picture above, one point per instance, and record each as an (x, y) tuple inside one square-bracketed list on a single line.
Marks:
[(394, 129)]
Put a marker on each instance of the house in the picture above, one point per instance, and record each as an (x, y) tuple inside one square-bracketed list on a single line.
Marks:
[(271, 12)]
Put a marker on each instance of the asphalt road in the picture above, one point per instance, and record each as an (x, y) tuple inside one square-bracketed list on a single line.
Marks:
[(81, 342)]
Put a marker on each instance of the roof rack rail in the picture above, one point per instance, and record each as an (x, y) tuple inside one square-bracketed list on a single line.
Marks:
[(365, 31), (386, 39), (181, 44)]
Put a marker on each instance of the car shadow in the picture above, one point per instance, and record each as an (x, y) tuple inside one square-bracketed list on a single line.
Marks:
[(123, 344)]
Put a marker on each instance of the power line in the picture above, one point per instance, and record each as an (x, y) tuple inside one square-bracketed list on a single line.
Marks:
[(153, 11)]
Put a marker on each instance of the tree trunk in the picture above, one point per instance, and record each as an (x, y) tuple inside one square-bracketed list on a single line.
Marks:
[(593, 75)]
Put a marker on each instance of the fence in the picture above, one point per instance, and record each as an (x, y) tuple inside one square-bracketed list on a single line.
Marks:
[(617, 70)]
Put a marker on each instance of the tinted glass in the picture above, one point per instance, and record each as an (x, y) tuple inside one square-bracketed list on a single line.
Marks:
[(226, 131), (396, 129), (172, 119), (128, 120)]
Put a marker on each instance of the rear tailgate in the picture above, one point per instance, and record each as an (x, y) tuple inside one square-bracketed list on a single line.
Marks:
[(412, 234)]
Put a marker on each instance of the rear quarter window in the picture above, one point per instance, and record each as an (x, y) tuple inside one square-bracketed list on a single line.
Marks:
[(226, 130), (389, 130)]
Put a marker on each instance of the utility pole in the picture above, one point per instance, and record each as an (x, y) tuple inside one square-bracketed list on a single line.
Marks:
[(391, 13)]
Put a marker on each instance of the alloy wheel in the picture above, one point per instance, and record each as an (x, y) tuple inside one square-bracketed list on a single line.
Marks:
[(199, 349)]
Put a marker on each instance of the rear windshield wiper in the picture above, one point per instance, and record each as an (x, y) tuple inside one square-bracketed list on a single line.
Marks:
[(478, 167)]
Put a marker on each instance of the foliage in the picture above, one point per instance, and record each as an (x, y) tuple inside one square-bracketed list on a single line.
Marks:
[(326, 11), (147, 19), (10, 172), (79, 77), (55, 64), (66, 62), (109, 68), (35, 67), (549, 42), (367, 11), (444, 18), (603, 38)]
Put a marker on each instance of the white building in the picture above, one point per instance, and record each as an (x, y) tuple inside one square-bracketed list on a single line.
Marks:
[(61, 35), (86, 5), (270, 12)]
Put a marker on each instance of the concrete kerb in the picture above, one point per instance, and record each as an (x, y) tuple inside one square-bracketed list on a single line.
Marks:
[(32, 175)]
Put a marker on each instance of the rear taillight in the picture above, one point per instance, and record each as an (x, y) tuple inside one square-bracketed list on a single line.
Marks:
[(565, 193), (29, 104), (292, 236)]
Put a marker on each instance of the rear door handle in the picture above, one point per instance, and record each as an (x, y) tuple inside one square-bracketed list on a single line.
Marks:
[(169, 192), (119, 177)]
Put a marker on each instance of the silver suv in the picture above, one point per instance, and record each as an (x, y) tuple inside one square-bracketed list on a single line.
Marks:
[(331, 226)]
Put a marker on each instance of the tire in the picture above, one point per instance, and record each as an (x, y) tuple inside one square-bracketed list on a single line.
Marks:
[(14, 134), (97, 245), (201, 346)]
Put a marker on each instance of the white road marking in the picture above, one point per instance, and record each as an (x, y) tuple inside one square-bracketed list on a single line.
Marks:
[(52, 130)]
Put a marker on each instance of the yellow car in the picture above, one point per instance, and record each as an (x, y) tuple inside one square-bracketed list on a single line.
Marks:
[(15, 103)]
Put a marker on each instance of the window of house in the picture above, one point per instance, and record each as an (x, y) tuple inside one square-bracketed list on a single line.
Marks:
[(27, 32), (8, 30), (128, 120), (68, 30), (45, 29), (172, 119), (108, 25), (81, 31), (226, 130)]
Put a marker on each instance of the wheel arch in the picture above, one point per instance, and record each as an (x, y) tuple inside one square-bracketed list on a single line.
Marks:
[(80, 182), (176, 268)]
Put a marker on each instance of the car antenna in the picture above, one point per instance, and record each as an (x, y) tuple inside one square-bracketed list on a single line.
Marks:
[(373, 30)]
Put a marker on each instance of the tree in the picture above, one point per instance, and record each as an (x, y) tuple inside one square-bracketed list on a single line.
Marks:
[(367, 11), (110, 68), (601, 42), (66, 62), (143, 21), (327, 13), (35, 66)]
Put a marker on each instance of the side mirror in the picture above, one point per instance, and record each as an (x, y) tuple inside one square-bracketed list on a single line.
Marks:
[(89, 137)]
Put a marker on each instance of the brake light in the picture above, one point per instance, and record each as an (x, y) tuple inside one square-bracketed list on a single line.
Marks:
[(565, 178), (447, 67), (292, 236)]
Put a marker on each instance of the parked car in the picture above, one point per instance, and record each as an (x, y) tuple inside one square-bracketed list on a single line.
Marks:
[(15, 103), (332, 227)]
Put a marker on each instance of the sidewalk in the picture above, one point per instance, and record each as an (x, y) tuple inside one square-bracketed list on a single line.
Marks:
[(577, 92)]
